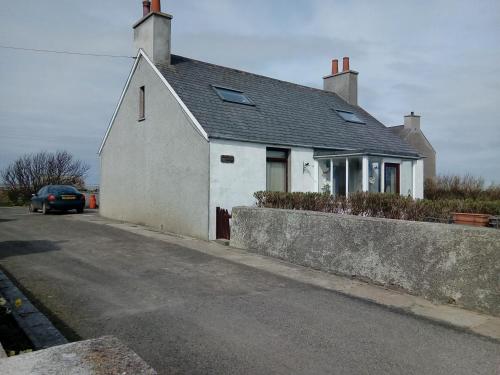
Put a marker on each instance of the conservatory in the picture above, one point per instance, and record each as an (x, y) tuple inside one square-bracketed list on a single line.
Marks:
[(344, 172)]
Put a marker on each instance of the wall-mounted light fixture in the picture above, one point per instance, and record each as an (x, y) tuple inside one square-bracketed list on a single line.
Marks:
[(305, 165)]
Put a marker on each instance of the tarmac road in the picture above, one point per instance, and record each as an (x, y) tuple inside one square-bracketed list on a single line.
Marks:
[(186, 312)]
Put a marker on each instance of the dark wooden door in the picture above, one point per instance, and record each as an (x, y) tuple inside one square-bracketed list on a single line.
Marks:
[(222, 224)]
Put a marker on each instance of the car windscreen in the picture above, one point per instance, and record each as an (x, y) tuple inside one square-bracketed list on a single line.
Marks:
[(63, 190)]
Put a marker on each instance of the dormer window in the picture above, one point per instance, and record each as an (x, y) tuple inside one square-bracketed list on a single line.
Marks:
[(232, 96), (349, 116)]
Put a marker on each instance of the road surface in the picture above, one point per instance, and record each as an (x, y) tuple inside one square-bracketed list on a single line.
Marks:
[(186, 312)]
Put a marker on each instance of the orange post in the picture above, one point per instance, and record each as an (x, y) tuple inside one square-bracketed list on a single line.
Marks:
[(92, 202)]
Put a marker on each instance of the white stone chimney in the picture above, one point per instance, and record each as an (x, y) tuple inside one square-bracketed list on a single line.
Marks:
[(412, 121), (152, 33), (344, 84)]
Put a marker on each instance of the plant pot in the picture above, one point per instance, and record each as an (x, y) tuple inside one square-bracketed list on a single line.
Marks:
[(476, 220)]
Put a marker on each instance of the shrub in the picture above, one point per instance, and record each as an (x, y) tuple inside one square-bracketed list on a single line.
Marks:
[(27, 174), (4, 199), (381, 205), (457, 187)]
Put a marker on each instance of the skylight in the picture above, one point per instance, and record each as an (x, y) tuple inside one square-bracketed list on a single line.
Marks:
[(349, 116), (233, 96)]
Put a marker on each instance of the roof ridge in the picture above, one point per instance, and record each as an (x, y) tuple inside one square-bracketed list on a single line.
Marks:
[(263, 76)]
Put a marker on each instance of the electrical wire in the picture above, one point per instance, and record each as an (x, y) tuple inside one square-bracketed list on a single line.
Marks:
[(65, 52)]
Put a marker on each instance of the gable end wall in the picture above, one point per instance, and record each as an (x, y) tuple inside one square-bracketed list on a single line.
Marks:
[(155, 172)]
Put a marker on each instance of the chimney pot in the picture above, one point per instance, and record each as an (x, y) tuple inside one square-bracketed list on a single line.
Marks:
[(146, 8), (345, 64), (335, 66), (156, 6)]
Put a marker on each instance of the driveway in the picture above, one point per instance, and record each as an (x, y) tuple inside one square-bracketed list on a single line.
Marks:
[(186, 312)]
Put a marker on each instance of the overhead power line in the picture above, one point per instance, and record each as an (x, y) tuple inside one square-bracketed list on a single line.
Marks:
[(66, 52)]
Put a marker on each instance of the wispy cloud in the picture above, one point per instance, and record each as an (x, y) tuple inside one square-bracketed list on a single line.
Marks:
[(437, 58)]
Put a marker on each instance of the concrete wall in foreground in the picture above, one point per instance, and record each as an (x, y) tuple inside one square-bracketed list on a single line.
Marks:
[(156, 171), (438, 261)]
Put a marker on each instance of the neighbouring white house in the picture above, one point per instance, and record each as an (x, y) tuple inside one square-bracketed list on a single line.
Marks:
[(188, 137)]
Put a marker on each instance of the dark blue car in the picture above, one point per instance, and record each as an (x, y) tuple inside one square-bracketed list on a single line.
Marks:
[(57, 198)]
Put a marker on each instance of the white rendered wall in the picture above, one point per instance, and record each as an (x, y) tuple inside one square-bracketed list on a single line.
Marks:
[(233, 184), (303, 178), (155, 172)]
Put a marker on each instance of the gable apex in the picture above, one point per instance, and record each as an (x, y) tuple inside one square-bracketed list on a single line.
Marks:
[(141, 55)]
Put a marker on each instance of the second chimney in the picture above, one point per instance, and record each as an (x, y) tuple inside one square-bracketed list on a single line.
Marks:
[(344, 84), (412, 121), (146, 8)]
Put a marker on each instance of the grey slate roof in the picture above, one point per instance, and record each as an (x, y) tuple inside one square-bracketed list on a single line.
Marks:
[(284, 113), (405, 134)]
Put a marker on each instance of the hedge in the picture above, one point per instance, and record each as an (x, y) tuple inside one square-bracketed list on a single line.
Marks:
[(388, 206)]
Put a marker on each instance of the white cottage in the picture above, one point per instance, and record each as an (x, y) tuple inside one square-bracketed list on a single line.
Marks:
[(188, 137)]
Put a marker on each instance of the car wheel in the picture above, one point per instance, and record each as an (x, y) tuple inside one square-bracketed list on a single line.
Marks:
[(45, 210), (79, 210), (32, 208)]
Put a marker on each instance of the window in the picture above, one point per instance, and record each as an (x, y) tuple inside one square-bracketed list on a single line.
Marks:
[(324, 176), (233, 96), (349, 116), (391, 178), (277, 170), (355, 174), (407, 178), (142, 103), (374, 175), (339, 177)]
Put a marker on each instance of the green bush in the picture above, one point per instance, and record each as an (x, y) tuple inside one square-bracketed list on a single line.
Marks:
[(388, 206)]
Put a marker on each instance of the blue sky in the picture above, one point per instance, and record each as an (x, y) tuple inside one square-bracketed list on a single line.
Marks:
[(440, 59)]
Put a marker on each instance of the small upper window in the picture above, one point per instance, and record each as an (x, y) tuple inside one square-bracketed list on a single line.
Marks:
[(233, 96), (142, 103), (349, 116)]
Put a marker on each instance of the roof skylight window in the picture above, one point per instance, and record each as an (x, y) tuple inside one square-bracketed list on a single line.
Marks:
[(349, 116), (233, 96)]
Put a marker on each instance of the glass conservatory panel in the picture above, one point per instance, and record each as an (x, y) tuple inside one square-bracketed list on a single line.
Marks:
[(355, 175), (324, 176), (374, 175), (339, 183), (407, 178)]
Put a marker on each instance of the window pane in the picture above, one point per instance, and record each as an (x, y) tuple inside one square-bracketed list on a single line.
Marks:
[(142, 103), (407, 178), (349, 116), (233, 96), (282, 154), (276, 176), (374, 175), (339, 184), (391, 178), (324, 177), (355, 175)]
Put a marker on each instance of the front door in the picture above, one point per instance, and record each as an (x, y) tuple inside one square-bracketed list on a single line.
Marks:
[(391, 178)]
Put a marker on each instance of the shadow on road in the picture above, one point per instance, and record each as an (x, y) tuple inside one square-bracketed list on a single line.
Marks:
[(6, 220), (20, 248), (17, 248)]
